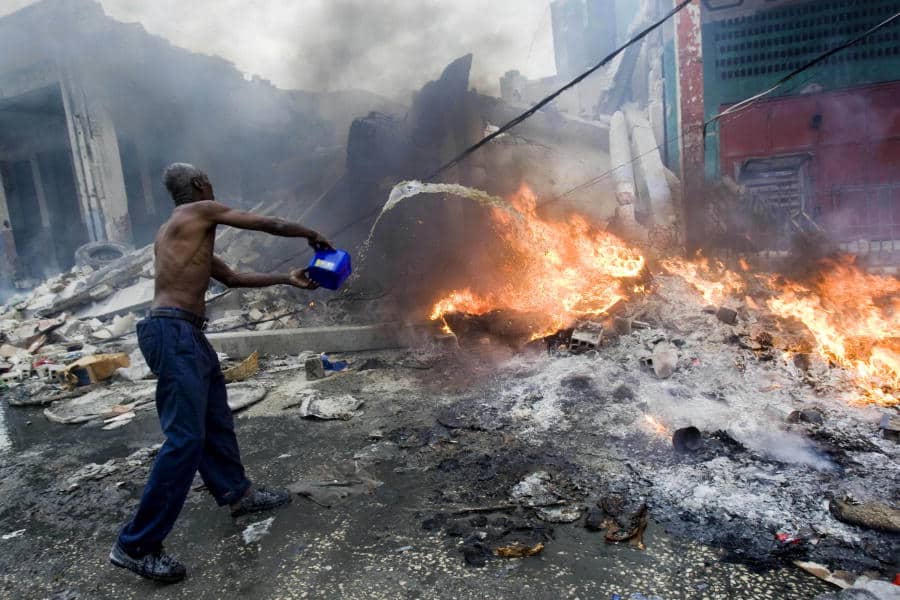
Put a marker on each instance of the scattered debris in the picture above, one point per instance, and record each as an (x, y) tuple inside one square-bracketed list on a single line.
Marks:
[(517, 550), (559, 514), (586, 337), (94, 471), (91, 471), (241, 395), (890, 426), (257, 531), (330, 492), (333, 365), (535, 490), (315, 369), (101, 403), (119, 421), (13, 534), (94, 369), (842, 579), (625, 325), (247, 369), (138, 370), (687, 439), (665, 359), (807, 415), (727, 315), (865, 589), (874, 515), (315, 406), (475, 554), (620, 521)]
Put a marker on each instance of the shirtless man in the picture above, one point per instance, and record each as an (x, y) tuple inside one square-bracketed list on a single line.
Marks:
[(190, 391)]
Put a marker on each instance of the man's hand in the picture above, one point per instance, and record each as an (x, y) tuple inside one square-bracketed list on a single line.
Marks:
[(299, 278), (318, 241)]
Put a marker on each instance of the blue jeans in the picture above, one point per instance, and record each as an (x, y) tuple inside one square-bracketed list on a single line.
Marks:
[(193, 412)]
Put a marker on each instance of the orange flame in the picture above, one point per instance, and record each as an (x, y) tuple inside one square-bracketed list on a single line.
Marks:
[(854, 318), (562, 270), (658, 427), (712, 280)]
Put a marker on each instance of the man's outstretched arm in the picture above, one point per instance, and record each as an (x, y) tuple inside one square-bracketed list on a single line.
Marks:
[(220, 214), (226, 275)]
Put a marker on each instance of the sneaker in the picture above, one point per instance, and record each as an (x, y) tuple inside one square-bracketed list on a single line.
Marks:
[(157, 566), (261, 499)]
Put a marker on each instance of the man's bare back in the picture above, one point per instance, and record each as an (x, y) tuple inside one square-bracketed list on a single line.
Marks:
[(185, 251), (184, 254)]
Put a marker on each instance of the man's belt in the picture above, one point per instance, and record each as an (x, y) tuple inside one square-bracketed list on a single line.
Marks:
[(183, 315)]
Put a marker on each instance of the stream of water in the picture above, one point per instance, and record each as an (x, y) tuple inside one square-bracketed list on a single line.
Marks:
[(409, 189)]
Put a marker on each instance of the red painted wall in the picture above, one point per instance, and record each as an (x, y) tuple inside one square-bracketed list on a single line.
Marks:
[(855, 166)]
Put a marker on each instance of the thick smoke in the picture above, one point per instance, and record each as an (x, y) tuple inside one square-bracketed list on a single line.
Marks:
[(383, 46)]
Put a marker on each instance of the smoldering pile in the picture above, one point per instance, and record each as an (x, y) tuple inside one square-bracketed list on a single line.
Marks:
[(777, 466)]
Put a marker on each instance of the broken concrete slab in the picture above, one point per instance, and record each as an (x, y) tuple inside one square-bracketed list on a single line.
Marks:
[(348, 338), (341, 407), (242, 395), (99, 402), (133, 298)]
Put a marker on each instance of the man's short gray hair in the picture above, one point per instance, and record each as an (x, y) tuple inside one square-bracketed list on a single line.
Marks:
[(178, 177)]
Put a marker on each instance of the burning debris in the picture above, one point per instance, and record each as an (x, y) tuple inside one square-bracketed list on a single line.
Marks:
[(562, 270)]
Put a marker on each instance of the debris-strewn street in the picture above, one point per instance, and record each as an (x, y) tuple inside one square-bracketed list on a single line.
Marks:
[(421, 470), (389, 499)]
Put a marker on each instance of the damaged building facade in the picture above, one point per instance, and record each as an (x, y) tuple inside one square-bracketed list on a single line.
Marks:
[(820, 155), (815, 159), (86, 133)]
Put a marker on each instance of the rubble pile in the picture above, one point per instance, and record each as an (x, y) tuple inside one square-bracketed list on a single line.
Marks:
[(73, 336), (702, 415)]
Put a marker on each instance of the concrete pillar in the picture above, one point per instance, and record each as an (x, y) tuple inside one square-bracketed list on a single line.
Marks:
[(146, 181), (97, 164), (689, 50), (48, 254), (39, 191), (8, 256)]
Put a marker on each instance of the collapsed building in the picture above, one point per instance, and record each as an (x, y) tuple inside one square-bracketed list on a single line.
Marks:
[(91, 111)]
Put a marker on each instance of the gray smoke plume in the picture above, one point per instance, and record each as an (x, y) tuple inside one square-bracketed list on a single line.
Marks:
[(386, 46)]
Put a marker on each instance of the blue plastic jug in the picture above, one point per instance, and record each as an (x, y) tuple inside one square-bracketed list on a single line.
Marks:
[(330, 268)]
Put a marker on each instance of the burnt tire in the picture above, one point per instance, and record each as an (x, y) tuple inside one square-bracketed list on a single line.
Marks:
[(100, 254)]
